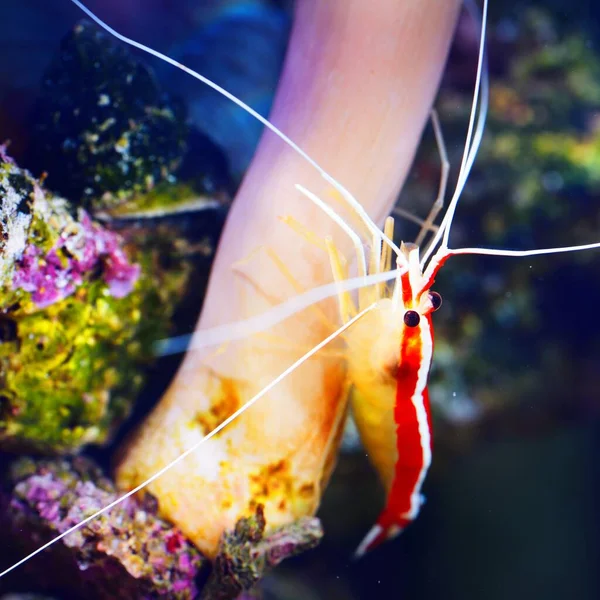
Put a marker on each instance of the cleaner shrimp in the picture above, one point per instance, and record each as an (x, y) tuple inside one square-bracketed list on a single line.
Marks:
[(394, 321)]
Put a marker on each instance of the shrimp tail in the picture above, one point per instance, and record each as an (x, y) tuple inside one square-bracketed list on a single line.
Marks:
[(386, 528)]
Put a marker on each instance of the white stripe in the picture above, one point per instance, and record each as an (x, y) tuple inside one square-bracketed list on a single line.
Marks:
[(368, 540), (419, 403)]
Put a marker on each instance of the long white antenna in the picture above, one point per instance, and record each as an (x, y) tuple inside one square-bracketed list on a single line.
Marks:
[(481, 64), (356, 241), (354, 204), (195, 446), (237, 330), (524, 253), (482, 86), (474, 135)]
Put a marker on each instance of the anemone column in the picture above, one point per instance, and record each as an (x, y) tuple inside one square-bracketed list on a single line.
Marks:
[(356, 90)]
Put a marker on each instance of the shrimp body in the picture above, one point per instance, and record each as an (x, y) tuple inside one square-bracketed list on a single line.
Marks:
[(395, 428), (373, 357), (389, 355)]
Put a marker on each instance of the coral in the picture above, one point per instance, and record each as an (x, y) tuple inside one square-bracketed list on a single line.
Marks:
[(78, 319), (245, 554), (104, 129), (128, 552)]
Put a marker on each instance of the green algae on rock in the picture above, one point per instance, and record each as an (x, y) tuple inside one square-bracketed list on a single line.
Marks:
[(103, 127), (78, 317), (164, 200), (128, 552)]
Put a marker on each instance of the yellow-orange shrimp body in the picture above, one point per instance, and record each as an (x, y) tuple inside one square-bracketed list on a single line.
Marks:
[(389, 353)]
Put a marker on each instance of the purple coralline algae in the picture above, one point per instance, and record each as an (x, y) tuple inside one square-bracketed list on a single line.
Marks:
[(128, 552), (84, 248)]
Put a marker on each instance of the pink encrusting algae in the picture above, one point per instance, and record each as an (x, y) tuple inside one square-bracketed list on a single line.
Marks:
[(84, 247), (144, 556)]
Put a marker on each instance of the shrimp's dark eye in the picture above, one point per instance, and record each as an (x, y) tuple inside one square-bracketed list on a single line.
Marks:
[(412, 318), (435, 299)]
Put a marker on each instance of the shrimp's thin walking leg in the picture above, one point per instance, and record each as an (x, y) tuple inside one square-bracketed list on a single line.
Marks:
[(338, 264), (358, 224), (304, 231), (335, 217), (398, 211), (281, 342), (386, 253), (284, 270), (363, 294), (439, 201), (338, 268), (347, 308), (428, 224)]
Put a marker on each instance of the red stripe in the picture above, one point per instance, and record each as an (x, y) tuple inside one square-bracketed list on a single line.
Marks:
[(407, 294), (408, 439)]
